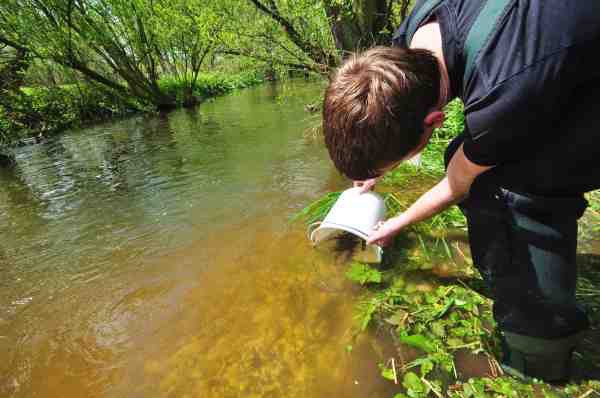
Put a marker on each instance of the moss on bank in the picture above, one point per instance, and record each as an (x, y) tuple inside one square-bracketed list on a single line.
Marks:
[(430, 299), (34, 113)]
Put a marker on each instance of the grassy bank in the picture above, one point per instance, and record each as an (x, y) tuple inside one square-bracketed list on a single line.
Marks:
[(35, 113), (431, 300), (210, 85)]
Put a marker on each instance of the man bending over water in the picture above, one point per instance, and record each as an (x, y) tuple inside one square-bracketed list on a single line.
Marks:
[(529, 151)]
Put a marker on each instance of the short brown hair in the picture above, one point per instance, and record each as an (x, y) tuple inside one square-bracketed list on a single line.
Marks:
[(374, 108)]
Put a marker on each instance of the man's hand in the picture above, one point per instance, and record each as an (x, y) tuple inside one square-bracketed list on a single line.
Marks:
[(384, 232), (365, 185), (452, 189)]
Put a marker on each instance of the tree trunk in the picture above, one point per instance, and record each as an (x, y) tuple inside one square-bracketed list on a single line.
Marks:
[(369, 23), (316, 53), (13, 74)]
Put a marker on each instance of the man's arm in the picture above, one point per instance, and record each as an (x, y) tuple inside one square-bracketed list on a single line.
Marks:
[(451, 190)]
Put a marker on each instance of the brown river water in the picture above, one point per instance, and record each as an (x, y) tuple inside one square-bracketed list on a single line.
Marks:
[(154, 257)]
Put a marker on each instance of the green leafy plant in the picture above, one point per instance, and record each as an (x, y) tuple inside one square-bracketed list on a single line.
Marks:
[(317, 210), (363, 273)]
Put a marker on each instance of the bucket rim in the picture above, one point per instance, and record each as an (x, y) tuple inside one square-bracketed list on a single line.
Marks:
[(378, 249), (346, 228)]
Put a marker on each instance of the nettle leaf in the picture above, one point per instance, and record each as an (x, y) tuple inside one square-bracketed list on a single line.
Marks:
[(387, 373), (366, 309), (446, 307), (459, 302), (419, 341), (398, 319), (427, 364), (454, 342), (362, 273), (438, 329), (414, 386)]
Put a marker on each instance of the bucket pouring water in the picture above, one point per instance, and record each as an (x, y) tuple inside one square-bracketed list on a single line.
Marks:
[(354, 212)]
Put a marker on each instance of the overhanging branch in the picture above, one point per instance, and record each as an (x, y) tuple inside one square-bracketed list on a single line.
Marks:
[(310, 67), (13, 44)]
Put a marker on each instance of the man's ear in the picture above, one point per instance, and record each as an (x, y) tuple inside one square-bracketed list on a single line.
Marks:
[(434, 120)]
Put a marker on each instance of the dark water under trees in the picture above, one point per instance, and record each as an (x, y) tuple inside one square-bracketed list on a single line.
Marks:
[(153, 257)]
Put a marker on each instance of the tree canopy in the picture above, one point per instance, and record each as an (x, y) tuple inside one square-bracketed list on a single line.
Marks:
[(129, 45)]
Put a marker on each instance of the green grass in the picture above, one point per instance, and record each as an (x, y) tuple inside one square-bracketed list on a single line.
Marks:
[(210, 84), (317, 210), (591, 220)]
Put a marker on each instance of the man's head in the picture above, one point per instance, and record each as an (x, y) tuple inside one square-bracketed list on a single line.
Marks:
[(380, 108)]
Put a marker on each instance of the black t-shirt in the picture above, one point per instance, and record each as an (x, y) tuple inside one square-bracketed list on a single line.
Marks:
[(526, 77)]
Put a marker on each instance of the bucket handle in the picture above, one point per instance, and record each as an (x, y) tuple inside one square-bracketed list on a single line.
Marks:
[(311, 229)]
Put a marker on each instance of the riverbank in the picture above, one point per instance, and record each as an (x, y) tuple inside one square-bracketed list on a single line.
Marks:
[(430, 301), (36, 113)]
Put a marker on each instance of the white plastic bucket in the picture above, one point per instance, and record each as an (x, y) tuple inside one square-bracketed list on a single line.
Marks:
[(415, 160), (356, 213)]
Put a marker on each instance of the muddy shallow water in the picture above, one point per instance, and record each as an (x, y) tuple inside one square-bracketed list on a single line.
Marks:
[(153, 257)]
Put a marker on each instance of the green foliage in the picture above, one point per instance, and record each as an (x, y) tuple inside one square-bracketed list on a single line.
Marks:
[(485, 387), (126, 45), (365, 311), (451, 218), (138, 42), (5, 126), (317, 210), (588, 389), (44, 111), (449, 318), (418, 341), (591, 222), (387, 373), (415, 388), (208, 84), (437, 321), (363, 274), (282, 33), (432, 157), (454, 121), (594, 200)]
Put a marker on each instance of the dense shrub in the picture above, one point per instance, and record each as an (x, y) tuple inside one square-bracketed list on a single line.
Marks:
[(43, 111), (209, 85)]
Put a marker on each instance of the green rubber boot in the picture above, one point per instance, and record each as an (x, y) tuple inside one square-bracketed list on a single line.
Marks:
[(530, 357)]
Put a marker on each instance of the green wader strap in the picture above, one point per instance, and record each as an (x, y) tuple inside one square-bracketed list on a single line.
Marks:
[(417, 18), (485, 23), (479, 34)]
